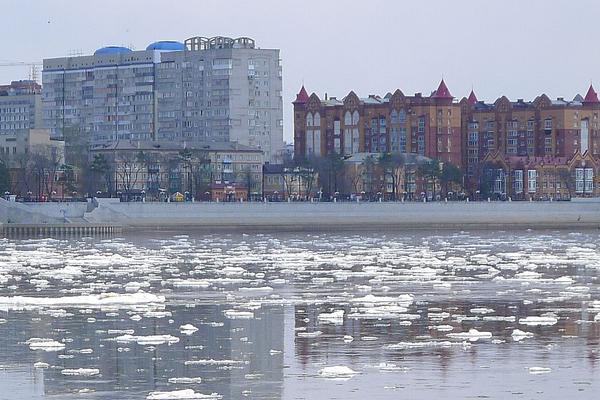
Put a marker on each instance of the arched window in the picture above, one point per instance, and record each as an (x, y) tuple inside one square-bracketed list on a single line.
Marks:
[(347, 118), (402, 117), (394, 116), (317, 121), (309, 119), (355, 118)]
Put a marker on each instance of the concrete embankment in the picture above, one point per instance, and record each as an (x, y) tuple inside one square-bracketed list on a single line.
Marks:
[(233, 217), (349, 216)]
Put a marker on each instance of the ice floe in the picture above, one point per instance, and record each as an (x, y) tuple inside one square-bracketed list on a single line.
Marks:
[(183, 394), (534, 321), (80, 371), (338, 371), (518, 335), (44, 344), (335, 317), (150, 340), (472, 335)]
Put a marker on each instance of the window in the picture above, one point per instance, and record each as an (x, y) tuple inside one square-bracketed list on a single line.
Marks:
[(584, 180), (584, 136), (532, 181), (548, 124), (473, 139), (518, 181), (347, 118), (402, 116)]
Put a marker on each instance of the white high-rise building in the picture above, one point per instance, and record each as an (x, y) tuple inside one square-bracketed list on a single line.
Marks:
[(202, 90)]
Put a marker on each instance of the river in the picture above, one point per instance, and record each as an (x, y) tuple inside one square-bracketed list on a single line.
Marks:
[(416, 315)]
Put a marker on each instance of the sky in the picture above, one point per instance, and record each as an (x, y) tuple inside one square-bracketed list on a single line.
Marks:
[(517, 48)]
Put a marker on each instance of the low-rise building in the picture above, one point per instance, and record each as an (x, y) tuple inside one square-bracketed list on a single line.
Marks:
[(136, 167), (540, 178), (287, 182)]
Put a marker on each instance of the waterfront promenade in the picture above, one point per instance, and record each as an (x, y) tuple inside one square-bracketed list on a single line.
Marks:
[(350, 216), (314, 216)]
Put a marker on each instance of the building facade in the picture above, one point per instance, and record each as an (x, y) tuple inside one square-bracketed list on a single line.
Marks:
[(205, 89), (428, 126), (543, 129), (543, 135), (20, 114), (133, 167)]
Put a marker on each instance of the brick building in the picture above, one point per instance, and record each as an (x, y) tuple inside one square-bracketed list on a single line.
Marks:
[(539, 129), (424, 125), (543, 135)]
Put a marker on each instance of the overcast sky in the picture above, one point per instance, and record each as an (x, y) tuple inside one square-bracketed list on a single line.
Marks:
[(519, 48)]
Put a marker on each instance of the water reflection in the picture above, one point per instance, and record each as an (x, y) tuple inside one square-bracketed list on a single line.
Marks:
[(415, 316)]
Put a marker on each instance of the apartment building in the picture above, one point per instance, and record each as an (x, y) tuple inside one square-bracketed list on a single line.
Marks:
[(425, 125), (20, 114), (204, 89)]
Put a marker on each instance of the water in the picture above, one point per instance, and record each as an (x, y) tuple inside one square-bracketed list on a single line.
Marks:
[(256, 300)]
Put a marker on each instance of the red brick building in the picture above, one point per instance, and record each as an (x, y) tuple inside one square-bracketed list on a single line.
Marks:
[(424, 125), (469, 133)]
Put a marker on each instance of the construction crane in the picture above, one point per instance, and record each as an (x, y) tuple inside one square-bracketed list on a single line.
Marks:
[(33, 67)]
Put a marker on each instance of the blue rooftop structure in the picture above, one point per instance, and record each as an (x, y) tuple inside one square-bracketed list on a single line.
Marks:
[(111, 50), (166, 45)]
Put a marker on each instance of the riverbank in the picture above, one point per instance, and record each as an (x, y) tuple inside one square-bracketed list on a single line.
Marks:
[(269, 217), (349, 216)]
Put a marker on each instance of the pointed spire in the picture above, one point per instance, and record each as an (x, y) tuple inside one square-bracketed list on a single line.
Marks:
[(442, 92), (302, 96), (472, 100), (591, 97)]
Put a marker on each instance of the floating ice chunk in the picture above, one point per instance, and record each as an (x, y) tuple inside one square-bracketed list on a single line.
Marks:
[(539, 370), (336, 317), (472, 335), (274, 352), (132, 287), (120, 331), (232, 271), (338, 371), (182, 394), (481, 310), (80, 372), (597, 318), (235, 314), (371, 299), (528, 275), (157, 314), (185, 380), (519, 335), (389, 367), (256, 290), (150, 340), (442, 328), (348, 339), (214, 362), (533, 321), (189, 283), (309, 334), (41, 365), (187, 329), (60, 313), (418, 345), (499, 318), (45, 344), (93, 301), (564, 280)]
